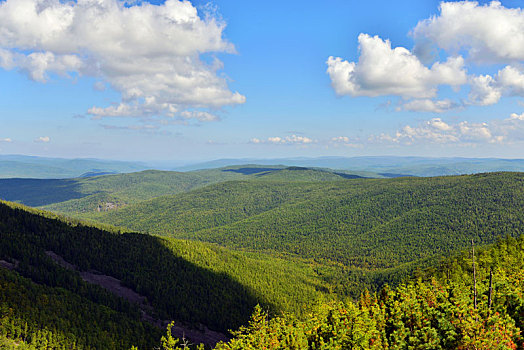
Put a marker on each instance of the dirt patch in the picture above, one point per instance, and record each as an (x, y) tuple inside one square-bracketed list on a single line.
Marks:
[(60, 261), (114, 285)]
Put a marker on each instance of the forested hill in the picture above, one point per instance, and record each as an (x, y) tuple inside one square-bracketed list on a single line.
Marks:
[(366, 223), (108, 192), (45, 263), (46, 301)]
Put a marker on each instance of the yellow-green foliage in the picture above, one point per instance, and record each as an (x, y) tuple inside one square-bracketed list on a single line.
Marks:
[(438, 313)]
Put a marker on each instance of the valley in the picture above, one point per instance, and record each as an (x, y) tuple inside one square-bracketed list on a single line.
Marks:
[(215, 243)]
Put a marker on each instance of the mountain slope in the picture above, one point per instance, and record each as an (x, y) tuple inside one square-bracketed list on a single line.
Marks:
[(442, 312), (191, 282), (101, 193), (366, 223)]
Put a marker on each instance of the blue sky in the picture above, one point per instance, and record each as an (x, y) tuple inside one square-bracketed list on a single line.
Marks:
[(250, 79)]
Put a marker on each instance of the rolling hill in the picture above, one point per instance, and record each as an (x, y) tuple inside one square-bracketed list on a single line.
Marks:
[(387, 166), (17, 166), (59, 267), (285, 238), (101, 193), (48, 301), (367, 223)]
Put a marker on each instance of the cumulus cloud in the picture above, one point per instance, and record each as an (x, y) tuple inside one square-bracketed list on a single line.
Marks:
[(382, 70), (464, 32), (43, 139), (515, 116), (151, 54), (487, 89), (288, 140), (477, 132), (489, 33), (484, 90)]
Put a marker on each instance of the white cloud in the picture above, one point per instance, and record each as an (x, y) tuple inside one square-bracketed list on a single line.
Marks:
[(437, 131), (149, 53), (199, 115), (515, 116), (37, 64), (484, 90), (427, 105), (346, 142), (342, 139), (511, 79), (382, 70), (489, 33), (7, 139), (487, 90), (477, 132), (288, 140), (44, 139)]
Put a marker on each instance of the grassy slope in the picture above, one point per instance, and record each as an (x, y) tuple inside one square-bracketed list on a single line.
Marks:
[(366, 223)]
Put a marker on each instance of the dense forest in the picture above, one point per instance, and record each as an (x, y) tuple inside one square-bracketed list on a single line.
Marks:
[(81, 196), (366, 223), (460, 303), (352, 263), (198, 284), (469, 302)]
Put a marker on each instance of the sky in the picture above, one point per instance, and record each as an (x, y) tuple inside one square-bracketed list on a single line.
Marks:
[(200, 80)]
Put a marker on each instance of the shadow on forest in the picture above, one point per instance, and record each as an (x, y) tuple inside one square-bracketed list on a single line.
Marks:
[(251, 171), (38, 192), (177, 289)]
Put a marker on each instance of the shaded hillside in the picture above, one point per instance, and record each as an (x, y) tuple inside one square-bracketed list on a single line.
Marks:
[(190, 282), (365, 223), (86, 194)]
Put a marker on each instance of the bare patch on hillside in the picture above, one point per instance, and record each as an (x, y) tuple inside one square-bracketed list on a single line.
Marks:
[(202, 335), (8, 265)]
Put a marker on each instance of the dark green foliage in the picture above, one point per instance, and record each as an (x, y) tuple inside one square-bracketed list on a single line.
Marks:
[(359, 223), (55, 318), (191, 282), (83, 196)]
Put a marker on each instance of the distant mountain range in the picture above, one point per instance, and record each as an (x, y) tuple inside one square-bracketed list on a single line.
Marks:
[(17, 166), (383, 165)]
